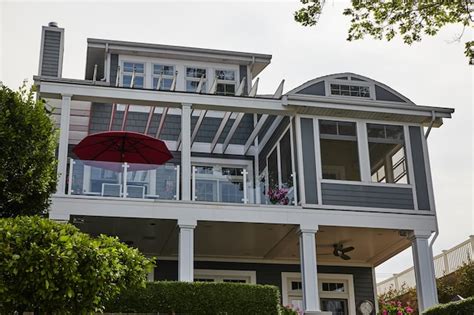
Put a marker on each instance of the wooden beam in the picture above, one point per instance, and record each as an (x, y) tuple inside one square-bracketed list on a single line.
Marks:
[(255, 132), (162, 122), (112, 116), (125, 114), (224, 121), (150, 117), (198, 124), (270, 131), (231, 132)]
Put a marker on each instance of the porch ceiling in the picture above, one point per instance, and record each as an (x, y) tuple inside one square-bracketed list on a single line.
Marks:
[(248, 241)]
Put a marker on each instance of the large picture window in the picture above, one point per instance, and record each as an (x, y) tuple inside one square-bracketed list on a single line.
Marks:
[(387, 153), (339, 152)]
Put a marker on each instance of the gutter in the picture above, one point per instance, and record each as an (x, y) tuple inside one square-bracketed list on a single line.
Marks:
[(433, 118)]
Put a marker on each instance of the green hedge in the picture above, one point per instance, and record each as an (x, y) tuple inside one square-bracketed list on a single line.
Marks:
[(197, 298), (464, 307)]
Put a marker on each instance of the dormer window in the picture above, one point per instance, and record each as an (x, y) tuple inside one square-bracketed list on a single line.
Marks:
[(350, 90), (193, 76), (225, 82), (128, 73), (167, 75)]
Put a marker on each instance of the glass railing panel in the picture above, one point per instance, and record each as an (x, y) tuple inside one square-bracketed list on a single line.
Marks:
[(108, 179), (221, 184)]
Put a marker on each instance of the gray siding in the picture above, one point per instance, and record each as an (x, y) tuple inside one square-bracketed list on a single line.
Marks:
[(271, 274), (367, 196), (315, 89), (113, 68), (262, 156), (309, 160), (422, 195), (51, 54), (100, 117), (382, 94)]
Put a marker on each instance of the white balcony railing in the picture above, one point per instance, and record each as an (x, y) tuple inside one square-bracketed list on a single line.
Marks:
[(445, 263), (123, 180)]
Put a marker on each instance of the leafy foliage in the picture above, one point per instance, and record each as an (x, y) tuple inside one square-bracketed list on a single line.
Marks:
[(385, 19), (197, 298), (463, 307), (392, 300), (49, 266), (28, 163)]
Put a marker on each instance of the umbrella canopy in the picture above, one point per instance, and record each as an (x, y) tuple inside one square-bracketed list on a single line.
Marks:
[(140, 150)]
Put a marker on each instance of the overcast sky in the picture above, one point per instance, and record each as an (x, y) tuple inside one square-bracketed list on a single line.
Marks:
[(433, 72)]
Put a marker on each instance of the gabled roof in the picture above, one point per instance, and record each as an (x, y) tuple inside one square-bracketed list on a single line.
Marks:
[(320, 87)]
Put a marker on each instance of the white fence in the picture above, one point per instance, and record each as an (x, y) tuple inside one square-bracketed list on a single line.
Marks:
[(445, 263)]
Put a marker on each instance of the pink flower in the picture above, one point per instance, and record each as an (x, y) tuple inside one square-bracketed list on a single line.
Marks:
[(384, 312), (399, 313), (409, 310)]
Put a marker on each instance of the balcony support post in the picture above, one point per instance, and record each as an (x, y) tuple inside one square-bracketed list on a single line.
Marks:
[(424, 270), (63, 143), (186, 151), (186, 250)]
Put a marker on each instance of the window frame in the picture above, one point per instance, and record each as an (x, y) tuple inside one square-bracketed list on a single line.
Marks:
[(123, 73), (195, 79), (250, 276), (164, 76), (349, 82), (234, 82)]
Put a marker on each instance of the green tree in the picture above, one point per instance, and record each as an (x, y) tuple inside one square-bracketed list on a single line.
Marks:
[(53, 267), (408, 18), (27, 156)]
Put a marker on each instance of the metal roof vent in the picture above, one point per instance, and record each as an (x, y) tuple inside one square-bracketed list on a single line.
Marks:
[(53, 24)]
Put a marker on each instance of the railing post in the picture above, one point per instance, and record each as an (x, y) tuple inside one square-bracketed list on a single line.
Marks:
[(445, 262), (69, 184), (244, 174), (295, 190), (125, 167), (177, 181), (193, 182), (395, 282)]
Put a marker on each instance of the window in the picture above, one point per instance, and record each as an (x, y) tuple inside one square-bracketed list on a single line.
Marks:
[(387, 153), (339, 152), (225, 82), (128, 70), (193, 76), (333, 286), (219, 184), (232, 276), (350, 90), (167, 76)]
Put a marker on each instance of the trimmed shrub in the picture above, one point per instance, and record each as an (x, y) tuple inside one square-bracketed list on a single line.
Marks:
[(197, 298), (54, 268), (464, 307)]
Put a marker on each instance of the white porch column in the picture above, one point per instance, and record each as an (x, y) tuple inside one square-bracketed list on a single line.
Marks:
[(309, 272), (186, 151), (186, 250), (63, 143), (424, 270)]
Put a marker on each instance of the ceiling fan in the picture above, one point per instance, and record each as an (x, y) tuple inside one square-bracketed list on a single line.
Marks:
[(340, 251)]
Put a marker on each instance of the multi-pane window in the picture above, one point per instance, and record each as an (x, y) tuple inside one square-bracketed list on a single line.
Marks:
[(193, 76), (339, 151), (135, 70), (225, 82), (166, 73), (387, 153), (333, 286), (350, 90)]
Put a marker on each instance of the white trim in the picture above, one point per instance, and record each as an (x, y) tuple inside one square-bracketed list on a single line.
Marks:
[(363, 150), (367, 209), (374, 284), (299, 156), (286, 276), (318, 160), (250, 274)]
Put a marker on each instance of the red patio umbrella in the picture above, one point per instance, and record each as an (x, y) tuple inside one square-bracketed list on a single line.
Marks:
[(140, 150)]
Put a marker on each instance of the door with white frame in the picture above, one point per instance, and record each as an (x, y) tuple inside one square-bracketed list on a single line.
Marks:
[(336, 292)]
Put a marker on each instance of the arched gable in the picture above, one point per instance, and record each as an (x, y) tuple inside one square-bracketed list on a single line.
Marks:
[(350, 85)]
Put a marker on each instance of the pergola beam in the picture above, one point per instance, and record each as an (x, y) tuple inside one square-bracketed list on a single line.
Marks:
[(255, 132), (202, 115), (224, 121), (148, 121), (231, 132), (162, 122)]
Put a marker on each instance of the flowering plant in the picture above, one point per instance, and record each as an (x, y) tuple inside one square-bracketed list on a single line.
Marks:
[(290, 310), (395, 308), (278, 196)]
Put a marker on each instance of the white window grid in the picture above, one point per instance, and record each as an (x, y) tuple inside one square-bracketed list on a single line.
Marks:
[(167, 73), (127, 71)]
